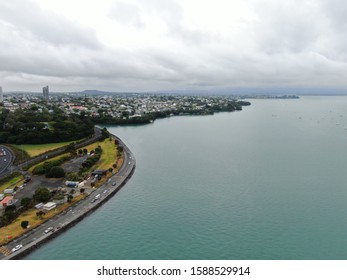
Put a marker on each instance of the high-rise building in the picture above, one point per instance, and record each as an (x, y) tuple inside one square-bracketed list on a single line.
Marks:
[(1, 95), (45, 91)]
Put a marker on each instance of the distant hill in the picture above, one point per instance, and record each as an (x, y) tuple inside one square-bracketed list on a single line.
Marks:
[(261, 91), (95, 91)]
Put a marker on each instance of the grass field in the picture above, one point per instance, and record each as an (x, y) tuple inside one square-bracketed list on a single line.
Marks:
[(14, 229), (108, 156), (35, 150)]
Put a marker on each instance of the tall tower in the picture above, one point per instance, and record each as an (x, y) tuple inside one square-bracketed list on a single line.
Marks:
[(1, 95), (45, 91)]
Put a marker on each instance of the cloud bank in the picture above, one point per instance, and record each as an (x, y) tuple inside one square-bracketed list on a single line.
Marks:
[(153, 45)]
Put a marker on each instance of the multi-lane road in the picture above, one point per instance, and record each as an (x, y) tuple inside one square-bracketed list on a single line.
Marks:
[(75, 213), (6, 160)]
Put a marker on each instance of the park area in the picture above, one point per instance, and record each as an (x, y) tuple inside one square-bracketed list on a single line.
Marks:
[(110, 158), (38, 149)]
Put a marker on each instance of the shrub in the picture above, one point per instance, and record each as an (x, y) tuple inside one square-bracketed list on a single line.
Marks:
[(24, 224)]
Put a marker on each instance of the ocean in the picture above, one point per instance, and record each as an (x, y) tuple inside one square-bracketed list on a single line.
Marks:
[(268, 182)]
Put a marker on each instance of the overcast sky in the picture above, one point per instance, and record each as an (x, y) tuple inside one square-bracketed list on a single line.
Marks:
[(148, 45)]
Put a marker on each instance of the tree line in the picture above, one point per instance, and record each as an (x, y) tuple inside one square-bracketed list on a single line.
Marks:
[(30, 126), (127, 119)]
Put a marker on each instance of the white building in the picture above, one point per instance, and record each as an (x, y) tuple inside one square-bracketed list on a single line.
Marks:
[(39, 206), (49, 206), (9, 191)]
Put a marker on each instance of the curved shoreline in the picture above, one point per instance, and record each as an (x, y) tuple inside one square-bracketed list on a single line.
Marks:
[(125, 173)]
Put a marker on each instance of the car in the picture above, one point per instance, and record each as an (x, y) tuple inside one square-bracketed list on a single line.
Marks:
[(114, 183), (27, 180), (105, 191), (18, 247), (49, 230)]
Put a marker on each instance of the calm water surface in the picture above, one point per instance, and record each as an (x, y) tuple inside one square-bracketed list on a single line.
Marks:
[(269, 182)]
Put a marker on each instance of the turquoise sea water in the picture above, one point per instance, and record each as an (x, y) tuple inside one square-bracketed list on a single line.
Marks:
[(269, 182)]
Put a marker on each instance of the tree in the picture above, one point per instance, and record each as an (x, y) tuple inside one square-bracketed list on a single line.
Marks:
[(8, 217), (39, 170), (115, 165), (25, 202), (10, 208), (120, 149), (104, 133), (110, 169), (40, 214), (69, 198), (85, 151), (98, 150), (82, 190), (72, 176), (24, 224), (42, 195), (56, 172), (71, 148), (80, 151)]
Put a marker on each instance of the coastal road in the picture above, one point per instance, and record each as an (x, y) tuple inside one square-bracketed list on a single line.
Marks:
[(76, 212), (6, 160)]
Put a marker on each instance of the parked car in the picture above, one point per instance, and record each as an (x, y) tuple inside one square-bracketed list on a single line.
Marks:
[(27, 180)]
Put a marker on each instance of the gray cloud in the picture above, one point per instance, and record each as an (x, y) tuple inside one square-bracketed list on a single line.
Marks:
[(31, 22), (292, 43), (289, 26)]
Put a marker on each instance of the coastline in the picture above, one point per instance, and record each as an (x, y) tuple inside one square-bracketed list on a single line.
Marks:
[(83, 209)]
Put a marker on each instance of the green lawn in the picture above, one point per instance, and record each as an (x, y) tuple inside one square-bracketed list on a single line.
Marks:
[(34, 150), (109, 153)]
